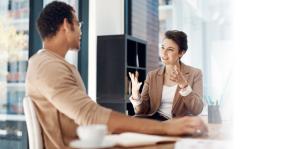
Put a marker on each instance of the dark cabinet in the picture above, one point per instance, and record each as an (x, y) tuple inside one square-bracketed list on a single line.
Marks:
[(116, 56)]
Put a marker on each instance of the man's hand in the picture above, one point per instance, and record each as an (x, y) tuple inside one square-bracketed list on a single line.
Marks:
[(185, 126)]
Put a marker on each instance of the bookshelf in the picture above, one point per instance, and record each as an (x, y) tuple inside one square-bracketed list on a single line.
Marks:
[(116, 56)]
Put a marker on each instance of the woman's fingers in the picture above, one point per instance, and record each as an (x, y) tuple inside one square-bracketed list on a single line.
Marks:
[(136, 74), (133, 77), (173, 77), (176, 75), (139, 84), (134, 80)]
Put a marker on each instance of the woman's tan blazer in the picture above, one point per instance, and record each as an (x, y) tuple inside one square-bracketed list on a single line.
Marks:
[(191, 104)]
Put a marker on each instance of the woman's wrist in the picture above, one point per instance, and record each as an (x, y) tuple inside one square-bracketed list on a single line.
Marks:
[(184, 85), (135, 96)]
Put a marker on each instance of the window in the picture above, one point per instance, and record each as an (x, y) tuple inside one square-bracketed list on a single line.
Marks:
[(14, 30), (207, 24)]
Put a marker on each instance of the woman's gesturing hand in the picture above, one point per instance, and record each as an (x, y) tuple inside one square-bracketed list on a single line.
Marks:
[(135, 84), (178, 77)]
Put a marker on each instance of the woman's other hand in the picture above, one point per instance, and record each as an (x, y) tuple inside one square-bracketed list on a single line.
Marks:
[(135, 84), (178, 77)]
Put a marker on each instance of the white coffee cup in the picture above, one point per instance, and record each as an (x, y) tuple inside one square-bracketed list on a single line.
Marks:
[(92, 133)]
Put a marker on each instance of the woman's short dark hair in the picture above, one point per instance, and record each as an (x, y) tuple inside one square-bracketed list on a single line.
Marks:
[(52, 17), (179, 37)]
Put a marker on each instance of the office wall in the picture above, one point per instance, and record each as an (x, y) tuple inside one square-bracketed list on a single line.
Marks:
[(145, 25), (109, 17), (105, 17)]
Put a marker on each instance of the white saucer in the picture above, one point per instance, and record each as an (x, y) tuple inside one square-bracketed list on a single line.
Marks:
[(89, 145)]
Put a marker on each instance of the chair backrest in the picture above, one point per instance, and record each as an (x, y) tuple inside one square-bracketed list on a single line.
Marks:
[(33, 126)]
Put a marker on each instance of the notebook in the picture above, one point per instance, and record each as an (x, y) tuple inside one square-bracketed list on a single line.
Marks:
[(130, 139)]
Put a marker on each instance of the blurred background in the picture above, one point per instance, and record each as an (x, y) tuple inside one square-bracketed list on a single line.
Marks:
[(208, 24)]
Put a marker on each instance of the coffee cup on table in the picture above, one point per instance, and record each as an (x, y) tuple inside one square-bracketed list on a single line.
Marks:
[(92, 133)]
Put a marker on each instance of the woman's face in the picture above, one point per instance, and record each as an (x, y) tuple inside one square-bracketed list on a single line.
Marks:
[(169, 52)]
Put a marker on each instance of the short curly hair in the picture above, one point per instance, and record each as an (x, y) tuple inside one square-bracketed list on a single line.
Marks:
[(52, 16), (179, 37)]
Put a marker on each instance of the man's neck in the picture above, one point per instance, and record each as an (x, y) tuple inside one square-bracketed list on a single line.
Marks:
[(56, 46)]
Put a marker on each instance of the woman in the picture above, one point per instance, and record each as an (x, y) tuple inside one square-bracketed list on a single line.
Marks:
[(175, 90)]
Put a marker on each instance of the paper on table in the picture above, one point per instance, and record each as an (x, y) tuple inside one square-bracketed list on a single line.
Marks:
[(129, 139), (201, 143)]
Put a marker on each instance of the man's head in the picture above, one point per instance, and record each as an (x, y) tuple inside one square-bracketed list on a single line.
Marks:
[(59, 17)]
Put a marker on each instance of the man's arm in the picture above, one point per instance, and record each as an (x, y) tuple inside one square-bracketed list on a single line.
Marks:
[(118, 123)]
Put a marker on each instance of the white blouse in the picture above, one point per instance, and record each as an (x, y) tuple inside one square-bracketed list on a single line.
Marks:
[(167, 97), (168, 93)]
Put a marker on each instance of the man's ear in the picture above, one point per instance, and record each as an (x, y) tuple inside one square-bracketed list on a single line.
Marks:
[(66, 25)]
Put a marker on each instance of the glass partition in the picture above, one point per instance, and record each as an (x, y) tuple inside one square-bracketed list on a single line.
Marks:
[(14, 29)]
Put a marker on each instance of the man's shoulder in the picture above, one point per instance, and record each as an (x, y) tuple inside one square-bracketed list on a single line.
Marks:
[(44, 64), (43, 59)]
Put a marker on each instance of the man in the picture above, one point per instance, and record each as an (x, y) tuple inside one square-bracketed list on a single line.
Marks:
[(58, 93)]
